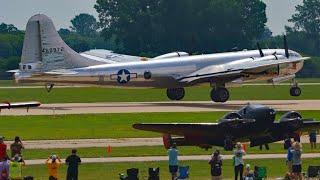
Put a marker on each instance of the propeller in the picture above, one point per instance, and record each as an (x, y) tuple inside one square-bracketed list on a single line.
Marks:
[(260, 50), (286, 48)]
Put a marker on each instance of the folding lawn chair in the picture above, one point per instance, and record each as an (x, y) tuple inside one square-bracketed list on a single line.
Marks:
[(154, 174), (313, 172), (262, 173), (183, 173)]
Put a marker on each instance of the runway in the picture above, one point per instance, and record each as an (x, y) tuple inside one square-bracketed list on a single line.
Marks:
[(181, 158), (136, 107)]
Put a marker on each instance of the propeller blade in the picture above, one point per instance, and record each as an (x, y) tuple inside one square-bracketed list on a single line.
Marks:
[(286, 48), (260, 50)]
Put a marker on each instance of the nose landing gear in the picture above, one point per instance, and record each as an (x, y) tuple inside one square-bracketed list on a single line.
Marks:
[(295, 90)]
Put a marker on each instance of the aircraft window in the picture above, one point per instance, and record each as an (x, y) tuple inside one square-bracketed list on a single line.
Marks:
[(29, 67), (24, 67)]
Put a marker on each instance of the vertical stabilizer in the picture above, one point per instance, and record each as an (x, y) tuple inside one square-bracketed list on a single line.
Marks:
[(44, 50)]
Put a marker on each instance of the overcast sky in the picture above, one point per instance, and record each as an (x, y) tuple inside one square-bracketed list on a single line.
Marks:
[(18, 12)]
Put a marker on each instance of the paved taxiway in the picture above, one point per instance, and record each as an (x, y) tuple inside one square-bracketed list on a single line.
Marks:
[(183, 106), (165, 158), (89, 143)]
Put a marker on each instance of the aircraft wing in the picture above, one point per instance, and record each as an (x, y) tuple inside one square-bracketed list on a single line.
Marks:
[(8, 105), (239, 67), (198, 129), (179, 129), (309, 125)]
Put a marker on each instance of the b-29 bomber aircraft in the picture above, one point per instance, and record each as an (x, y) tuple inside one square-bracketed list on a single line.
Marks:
[(253, 123), (47, 58)]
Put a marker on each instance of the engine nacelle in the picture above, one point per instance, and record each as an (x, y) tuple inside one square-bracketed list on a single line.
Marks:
[(289, 116), (171, 55)]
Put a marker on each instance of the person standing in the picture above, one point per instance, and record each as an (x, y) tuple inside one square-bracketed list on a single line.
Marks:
[(289, 158), (53, 163), (313, 139), (173, 160), (296, 160), (16, 147), (3, 149), (238, 161), (73, 161), (216, 166)]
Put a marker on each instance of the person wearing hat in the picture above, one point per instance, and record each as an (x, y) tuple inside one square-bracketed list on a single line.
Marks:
[(53, 163), (15, 169), (3, 149), (173, 160), (16, 147)]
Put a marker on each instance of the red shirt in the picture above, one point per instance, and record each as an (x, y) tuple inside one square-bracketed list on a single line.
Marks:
[(3, 151)]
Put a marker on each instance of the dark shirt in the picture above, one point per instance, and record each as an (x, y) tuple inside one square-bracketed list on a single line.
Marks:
[(73, 162), (16, 149)]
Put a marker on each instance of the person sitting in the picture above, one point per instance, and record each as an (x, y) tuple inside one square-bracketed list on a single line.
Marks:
[(15, 168), (216, 165), (4, 170), (53, 163), (248, 173), (16, 147)]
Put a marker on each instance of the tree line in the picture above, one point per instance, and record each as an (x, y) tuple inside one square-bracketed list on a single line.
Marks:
[(151, 28)]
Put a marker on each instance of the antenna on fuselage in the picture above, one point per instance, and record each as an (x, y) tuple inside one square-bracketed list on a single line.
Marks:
[(260, 50), (285, 44)]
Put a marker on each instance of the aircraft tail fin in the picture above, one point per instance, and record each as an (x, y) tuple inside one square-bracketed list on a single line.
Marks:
[(44, 50)]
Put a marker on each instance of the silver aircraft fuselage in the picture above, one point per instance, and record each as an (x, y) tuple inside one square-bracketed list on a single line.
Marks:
[(165, 72)]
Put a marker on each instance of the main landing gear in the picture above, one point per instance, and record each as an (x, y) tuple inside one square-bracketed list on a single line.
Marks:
[(295, 90), (220, 94), (175, 94), (228, 144)]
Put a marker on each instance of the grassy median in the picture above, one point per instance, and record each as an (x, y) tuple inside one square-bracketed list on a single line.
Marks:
[(100, 94), (100, 125), (198, 169)]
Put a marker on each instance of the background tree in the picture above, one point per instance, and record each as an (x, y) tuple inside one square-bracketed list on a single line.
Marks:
[(84, 24), (8, 28), (159, 26), (307, 25)]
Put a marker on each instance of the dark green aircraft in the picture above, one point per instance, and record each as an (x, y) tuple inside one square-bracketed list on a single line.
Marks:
[(253, 123)]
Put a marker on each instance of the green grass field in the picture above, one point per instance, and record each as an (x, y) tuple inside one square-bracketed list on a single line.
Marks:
[(147, 151), (199, 170), (99, 94), (100, 125)]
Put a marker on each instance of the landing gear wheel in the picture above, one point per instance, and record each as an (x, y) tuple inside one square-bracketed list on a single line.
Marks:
[(220, 94), (49, 87), (295, 91), (175, 94)]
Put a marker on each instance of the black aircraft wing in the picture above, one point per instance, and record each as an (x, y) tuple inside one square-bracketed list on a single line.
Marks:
[(309, 125), (198, 129)]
